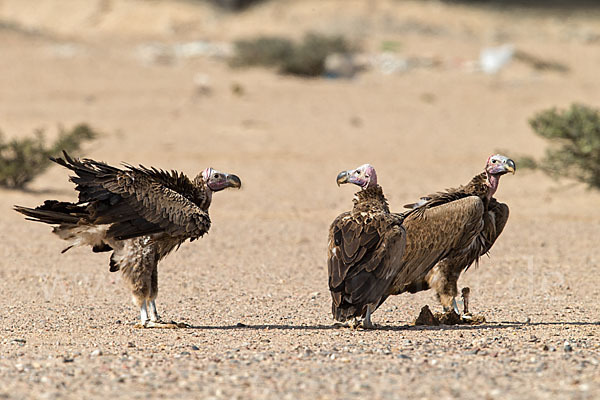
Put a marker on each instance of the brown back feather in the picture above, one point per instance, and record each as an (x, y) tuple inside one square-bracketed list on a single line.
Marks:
[(365, 246)]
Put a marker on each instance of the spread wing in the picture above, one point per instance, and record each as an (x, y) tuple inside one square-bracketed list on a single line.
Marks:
[(364, 254), (435, 233), (137, 201)]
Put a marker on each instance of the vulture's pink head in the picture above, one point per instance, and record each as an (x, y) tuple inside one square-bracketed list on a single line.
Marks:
[(217, 181), (498, 165), (363, 176)]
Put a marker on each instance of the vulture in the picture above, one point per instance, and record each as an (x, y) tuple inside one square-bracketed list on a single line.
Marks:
[(374, 253), (469, 218), (140, 214), (365, 248)]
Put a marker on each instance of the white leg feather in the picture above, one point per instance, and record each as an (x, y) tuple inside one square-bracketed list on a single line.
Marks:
[(152, 311), (455, 306), (143, 313)]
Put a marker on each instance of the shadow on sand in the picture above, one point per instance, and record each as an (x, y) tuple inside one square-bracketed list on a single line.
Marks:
[(492, 325)]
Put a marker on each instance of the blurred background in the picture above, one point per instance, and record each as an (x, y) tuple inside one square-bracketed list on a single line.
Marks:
[(280, 89), (447, 80)]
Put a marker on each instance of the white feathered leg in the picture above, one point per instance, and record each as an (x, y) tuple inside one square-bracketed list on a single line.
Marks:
[(143, 314), (152, 311), (455, 306)]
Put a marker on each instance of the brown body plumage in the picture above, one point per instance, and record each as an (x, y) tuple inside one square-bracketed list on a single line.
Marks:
[(467, 218), (365, 246), (374, 253), (138, 213)]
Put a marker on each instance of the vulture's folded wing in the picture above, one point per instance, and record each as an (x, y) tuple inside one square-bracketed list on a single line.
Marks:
[(135, 201), (496, 218), (433, 233), (364, 255)]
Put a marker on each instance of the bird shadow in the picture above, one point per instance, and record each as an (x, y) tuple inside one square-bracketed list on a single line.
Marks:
[(553, 323), (334, 327)]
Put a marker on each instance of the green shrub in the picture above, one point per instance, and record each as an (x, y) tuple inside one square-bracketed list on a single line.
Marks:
[(21, 160), (575, 134), (306, 58)]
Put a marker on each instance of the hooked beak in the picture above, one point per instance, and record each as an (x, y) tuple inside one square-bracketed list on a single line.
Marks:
[(342, 178), (233, 181), (510, 166)]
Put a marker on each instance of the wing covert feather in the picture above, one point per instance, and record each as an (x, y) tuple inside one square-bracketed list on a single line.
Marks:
[(364, 255), (434, 232), (137, 201)]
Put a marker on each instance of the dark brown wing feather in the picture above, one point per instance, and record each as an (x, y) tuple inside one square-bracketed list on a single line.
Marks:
[(433, 234), (137, 201), (495, 220), (364, 250)]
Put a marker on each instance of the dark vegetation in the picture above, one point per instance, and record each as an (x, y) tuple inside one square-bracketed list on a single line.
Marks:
[(305, 58), (574, 152), (235, 5), (21, 160)]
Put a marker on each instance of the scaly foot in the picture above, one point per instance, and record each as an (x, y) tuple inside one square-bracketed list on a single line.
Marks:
[(367, 324)]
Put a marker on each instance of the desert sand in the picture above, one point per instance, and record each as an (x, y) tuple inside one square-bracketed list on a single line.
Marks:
[(255, 289)]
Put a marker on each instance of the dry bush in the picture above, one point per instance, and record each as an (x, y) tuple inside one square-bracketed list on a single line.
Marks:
[(21, 160), (306, 58), (234, 5), (575, 137)]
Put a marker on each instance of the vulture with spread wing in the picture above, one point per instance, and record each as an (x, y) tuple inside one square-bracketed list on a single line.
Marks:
[(468, 217), (365, 248), (140, 214)]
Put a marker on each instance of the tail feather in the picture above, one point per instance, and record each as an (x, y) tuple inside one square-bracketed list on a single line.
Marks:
[(54, 212), (72, 224)]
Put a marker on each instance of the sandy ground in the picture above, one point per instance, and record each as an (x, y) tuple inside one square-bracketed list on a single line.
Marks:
[(66, 323)]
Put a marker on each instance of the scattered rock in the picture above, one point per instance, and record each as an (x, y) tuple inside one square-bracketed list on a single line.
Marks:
[(237, 89), (426, 317), (96, 353), (567, 346), (448, 318)]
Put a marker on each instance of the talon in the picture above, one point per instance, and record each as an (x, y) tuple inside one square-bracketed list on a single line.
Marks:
[(353, 324), (367, 326), (163, 325)]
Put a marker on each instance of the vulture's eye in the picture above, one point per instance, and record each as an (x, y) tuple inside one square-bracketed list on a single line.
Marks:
[(217, 176)]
